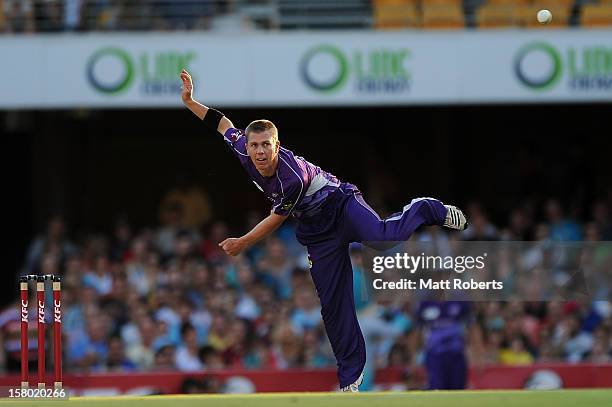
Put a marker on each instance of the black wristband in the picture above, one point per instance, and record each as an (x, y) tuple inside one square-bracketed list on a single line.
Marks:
[(212, 118)]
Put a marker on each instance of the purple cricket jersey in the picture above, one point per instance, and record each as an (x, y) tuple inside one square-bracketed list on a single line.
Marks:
[(444, 323), (297, 188)]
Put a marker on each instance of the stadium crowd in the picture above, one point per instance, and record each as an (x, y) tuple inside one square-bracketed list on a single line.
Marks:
[(29, 16), (169, 299)]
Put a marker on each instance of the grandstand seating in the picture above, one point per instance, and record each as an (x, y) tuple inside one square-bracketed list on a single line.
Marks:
[(512, 3), (312, 14), (498, 15), (441, 3), (390, 14), (319, 14), (439, 16), (597, 15), (2, 20), (552, 5), (519, 13)]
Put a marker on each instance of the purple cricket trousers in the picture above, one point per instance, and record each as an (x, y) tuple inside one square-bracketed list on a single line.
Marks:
[(446, 370), (343, 218)]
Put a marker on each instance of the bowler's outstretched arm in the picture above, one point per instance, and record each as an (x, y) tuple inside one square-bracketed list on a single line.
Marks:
[(196, 107)]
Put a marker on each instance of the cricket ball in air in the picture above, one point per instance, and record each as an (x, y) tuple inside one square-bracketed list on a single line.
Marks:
[(544, 17)]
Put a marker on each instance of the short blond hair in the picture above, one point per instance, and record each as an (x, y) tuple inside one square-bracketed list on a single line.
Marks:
[(262, 125)]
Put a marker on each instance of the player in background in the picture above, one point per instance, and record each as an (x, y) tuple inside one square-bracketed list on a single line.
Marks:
[(330, 213), (444, 325)]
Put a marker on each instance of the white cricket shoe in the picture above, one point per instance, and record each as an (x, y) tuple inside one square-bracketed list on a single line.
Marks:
[(455, 219), (354, 387)]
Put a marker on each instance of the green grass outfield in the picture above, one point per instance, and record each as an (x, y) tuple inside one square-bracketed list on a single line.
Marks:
[(519, 398)]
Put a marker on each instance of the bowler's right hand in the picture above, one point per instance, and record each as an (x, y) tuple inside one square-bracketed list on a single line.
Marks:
[(187, 93)]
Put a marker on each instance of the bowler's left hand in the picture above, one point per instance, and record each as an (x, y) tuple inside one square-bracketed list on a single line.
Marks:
[(233, 246)]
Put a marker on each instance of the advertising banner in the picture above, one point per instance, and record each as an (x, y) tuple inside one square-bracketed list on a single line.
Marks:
[(307, 69), (537, 376)]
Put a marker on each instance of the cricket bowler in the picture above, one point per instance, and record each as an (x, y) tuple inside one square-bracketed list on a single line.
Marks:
[(330, 213)]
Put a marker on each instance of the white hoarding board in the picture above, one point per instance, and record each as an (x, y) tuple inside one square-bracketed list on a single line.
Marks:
[(281, 69)]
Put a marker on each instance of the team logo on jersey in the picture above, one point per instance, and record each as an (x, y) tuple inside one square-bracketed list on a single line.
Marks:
[(309, 262), (235, 135), (287, 206)]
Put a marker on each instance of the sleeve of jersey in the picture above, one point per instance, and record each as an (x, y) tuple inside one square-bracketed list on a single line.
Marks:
[(285, 205), (236, 140)]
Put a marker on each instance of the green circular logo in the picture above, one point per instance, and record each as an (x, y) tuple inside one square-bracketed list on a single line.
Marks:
[(336, 81), (115, 87), (545, 82)]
